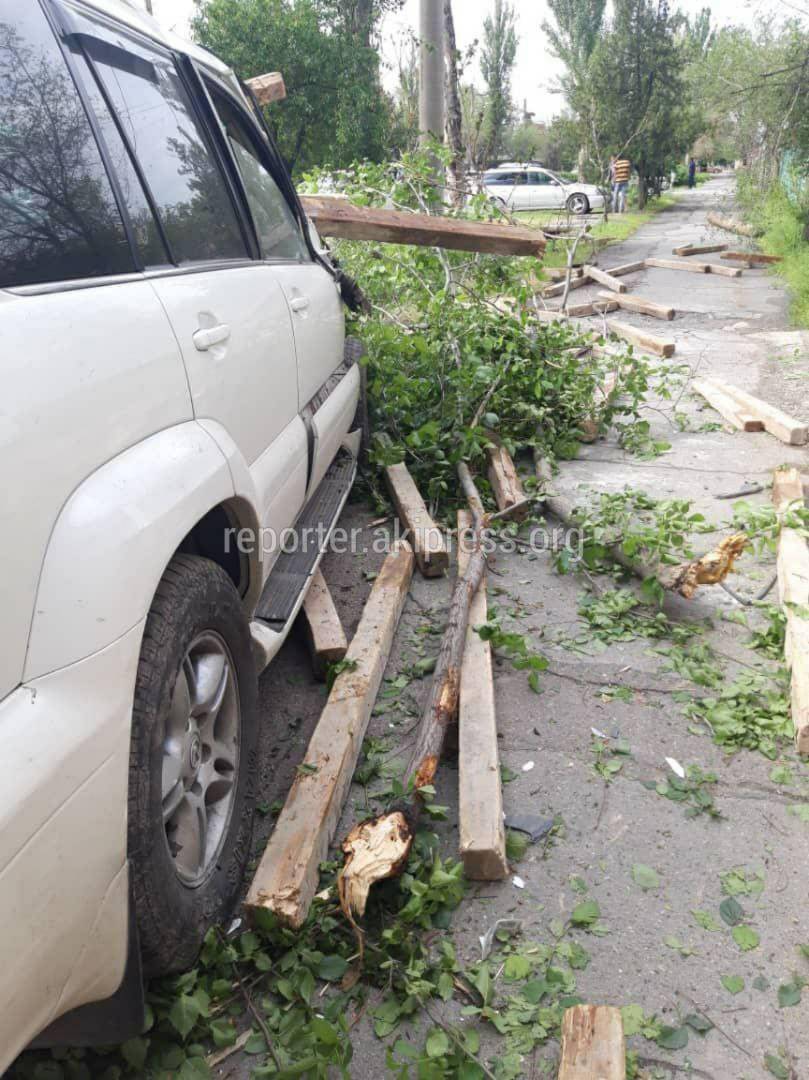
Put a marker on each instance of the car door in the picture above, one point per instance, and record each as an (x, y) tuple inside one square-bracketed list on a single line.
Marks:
[(226, 306), (542, 192), (311, 292)]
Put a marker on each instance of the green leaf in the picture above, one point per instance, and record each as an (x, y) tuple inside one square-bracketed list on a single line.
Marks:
[(134, 1052), (516, 845), (186, 1010), (222, 1032), (776, 1067), (437, 1044), (673, 1038), (760, 983), (734, 984), (706, 920), (731, 911), (586, 913), (789, 994), (646, 877), (324, 1032), (632, 1016), (698, 1022), (745, 937), (516, 968)]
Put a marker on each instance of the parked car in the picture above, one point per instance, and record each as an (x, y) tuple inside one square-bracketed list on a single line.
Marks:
[(175, 395), (528, 187)]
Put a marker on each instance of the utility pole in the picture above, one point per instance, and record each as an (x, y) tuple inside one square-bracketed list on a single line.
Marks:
[(149, 7), (431, 69)]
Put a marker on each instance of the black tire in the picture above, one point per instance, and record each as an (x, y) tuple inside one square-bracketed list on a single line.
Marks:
[(578, 204), (194, 597)]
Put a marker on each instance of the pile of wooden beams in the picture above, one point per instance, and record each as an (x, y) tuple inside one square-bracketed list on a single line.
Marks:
[(793, 585), (749, 413)]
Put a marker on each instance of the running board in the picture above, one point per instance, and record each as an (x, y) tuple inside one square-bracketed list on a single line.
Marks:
[(294, 567)]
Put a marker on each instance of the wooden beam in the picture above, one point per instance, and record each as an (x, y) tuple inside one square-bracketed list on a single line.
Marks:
[(640, 304), (627, 268), (641, 338), (596, 307), (480, 794), (720, 221), (724, 271), (287, 876), (698, 249), (603, 278), (559, 288), (506, 484), (324, 631), (558, 273), (422, 532), (750, 257), (793, 585), (679, 264), (778, 423), (726, 406), (338, 217), (268, 88), (592, 1044)]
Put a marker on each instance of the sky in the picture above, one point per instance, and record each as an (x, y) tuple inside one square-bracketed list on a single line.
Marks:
[(535, 71)]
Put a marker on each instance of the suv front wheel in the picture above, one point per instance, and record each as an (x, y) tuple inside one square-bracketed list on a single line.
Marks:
[(193, 762)]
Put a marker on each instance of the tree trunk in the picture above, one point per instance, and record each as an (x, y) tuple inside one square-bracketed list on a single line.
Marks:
[(431, 69), (580, 163), (641, 185), (454, 119)]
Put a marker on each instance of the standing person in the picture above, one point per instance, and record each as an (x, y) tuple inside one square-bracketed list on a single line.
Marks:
[(692, 172), (621, 171)]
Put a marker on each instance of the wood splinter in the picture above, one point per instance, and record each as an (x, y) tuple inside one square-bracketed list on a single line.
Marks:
[(592, 1044)]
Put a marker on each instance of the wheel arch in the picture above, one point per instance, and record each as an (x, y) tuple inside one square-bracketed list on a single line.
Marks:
[(117, 533)]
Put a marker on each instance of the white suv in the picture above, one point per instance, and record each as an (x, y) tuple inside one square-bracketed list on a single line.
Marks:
[(175, 395), (529, 187)]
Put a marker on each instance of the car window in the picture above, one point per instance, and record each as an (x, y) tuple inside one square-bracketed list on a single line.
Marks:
[(510, 178), (278, 232), (157, 119), (538, 178), (58, 215)]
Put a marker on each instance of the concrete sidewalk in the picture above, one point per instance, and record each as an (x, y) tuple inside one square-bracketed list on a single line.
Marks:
[(736, 328)]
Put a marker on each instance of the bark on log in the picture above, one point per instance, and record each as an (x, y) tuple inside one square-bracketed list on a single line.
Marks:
[(720, 221), (708, 569)]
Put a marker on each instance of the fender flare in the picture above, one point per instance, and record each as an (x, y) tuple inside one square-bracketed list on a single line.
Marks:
[(115, 536)]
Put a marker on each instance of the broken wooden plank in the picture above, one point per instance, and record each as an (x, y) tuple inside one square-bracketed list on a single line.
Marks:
[(595, 307), (338, 217), (287, 876), (750, 257), (640, 338), (698, 249), (640, 304), (558, 273), (726, 406), (721, 221), (793, 586), (724, 271), (422, 532), (268, 88), (592, 1044), (480, 796), (626, 268), (324, 631), (604, 278), (777, 423), (679, 264), (506, 484), (559, 288)]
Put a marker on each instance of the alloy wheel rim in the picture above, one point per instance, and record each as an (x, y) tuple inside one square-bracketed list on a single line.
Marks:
[(200, 759)]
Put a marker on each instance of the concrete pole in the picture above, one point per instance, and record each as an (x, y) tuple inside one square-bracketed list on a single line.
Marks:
[(431, 69)]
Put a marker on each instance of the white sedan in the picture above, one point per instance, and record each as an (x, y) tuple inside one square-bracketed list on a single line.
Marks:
[(527, 187)]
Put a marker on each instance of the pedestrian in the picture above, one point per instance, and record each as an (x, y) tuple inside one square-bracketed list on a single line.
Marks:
[(692, 172), (621, 171)]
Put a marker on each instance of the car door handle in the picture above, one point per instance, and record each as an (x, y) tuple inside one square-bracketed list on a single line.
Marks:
[(299, 303), (212, 335)]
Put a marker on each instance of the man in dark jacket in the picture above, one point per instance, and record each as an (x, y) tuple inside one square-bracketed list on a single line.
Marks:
[(692, 172)]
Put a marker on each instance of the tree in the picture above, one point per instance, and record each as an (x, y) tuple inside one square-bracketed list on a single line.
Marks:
[(636, 89), (335, 111), (496, 64)]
